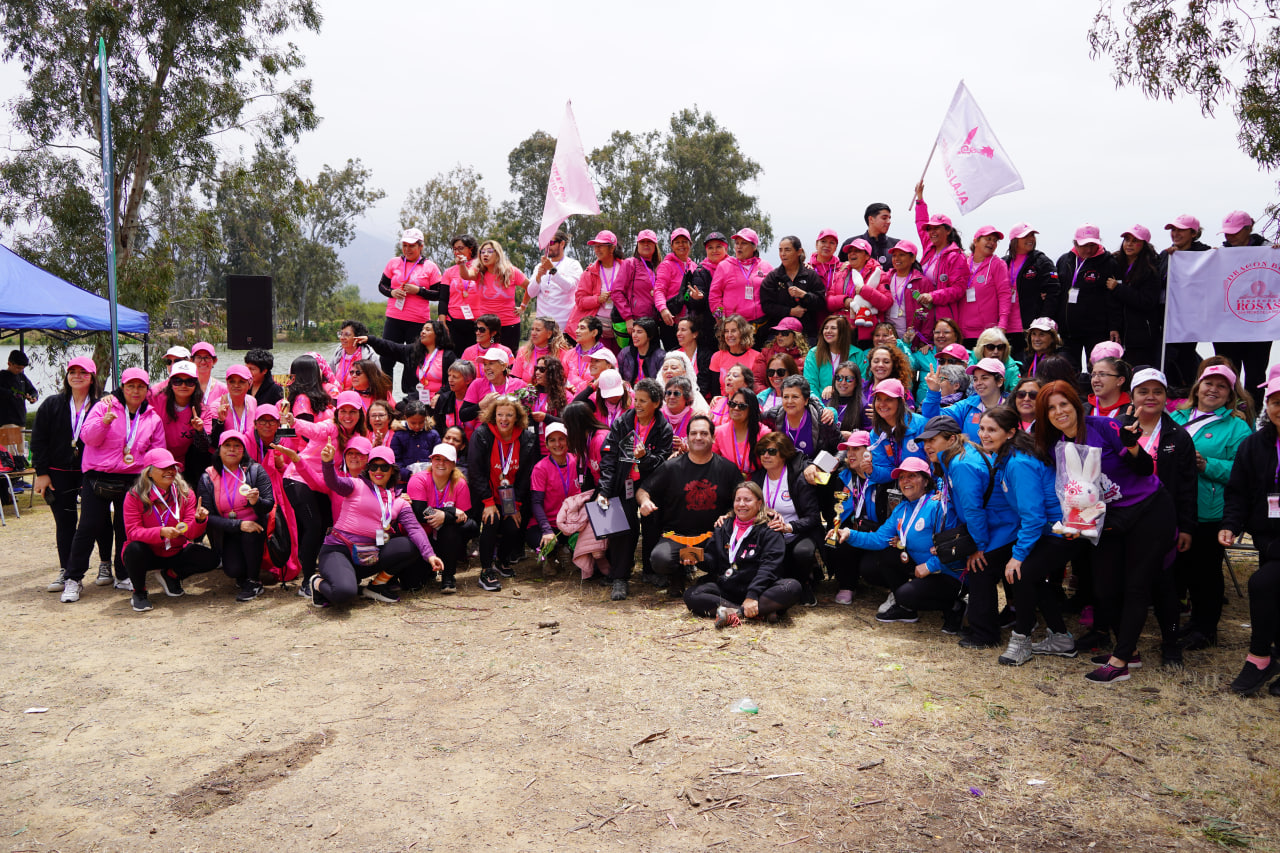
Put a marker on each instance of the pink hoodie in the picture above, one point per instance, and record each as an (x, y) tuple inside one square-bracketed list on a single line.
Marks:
[(870, 283), (729, 284), (946, 274), (587, 297), (143, 525), (670, 275), (990, 306), (104, 443), (639, 297)]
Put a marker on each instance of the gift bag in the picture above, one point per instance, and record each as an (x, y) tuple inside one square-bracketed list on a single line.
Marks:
[(1079, 488)]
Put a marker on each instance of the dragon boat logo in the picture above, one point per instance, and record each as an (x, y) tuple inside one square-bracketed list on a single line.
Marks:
[(967, 147), (1253, 292)]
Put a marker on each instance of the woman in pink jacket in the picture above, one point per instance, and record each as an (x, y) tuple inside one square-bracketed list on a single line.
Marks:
[(671, 274), (119, 431), (163, 519), (187, 419), (861, 276), (735, 286), (825, 263), (639, 298), (986, 301), (601, 285), (945, 266)]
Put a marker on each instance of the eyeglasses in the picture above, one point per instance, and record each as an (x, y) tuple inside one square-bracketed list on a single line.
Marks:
[(342, 336), (676, 392), (379, 466), (182, 380), (1026, 395), (740, 407), (778, 371), (946, 359), (204, 359), (768, 451), (1099, 375)]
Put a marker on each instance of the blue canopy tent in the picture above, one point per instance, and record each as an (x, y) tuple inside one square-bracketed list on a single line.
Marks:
[(34, 299)]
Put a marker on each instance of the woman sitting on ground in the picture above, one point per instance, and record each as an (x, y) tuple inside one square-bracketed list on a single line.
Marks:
[(237, 493)]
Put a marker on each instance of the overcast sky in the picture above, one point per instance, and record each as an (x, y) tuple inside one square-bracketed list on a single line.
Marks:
[(839, 102)]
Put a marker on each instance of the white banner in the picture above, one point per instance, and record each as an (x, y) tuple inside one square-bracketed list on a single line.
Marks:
[(569, 188), (977, 168), (1226, 294)]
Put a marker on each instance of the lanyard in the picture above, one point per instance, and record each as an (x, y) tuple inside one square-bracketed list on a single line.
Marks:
[(746, 276), (653, 280), (771, 498), (343, 370), (169, 512), (231, 482), (437, 500), (973, 270), (584, 357), (505, 455), (931, 267), (795, 436), (384, 507), (900, 291), (131, 428), (1080, 262), (1152, 444), (902, 536), (425, 367), (565, 477), (506, 380), (680, 428), (410, 267), (743, 459), (862, 495), (241, 424), (641, 438), (606, 284), (736, 539), (1278, 461), (77, 418)]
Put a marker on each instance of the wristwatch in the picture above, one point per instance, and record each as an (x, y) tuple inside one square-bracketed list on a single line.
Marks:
[(553, 270)]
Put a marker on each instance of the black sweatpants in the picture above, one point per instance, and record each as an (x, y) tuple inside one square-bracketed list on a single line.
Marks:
[(1077, 347), (983, 612), (502, 536), (800, 563), (1042, 571), (1264, 607), (509, 336), (242, 555), (1127, 563), (314, 514), (450, 544), (1199, 571), (622, 546), (845, 563), (340, 578), (96, 516), (139, 559), (705, 598), (463, 334), (400, 331), (66, 487)]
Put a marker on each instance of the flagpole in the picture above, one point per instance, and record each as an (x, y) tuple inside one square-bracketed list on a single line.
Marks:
[(109, 206), (925, 171)]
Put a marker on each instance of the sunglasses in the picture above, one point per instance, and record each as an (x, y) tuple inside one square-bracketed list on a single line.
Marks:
[(1026, 395), (379, 466), (996, 346), (741, 407), (675, 392), (357, 373), (768, 451), (539, 369), (844, 378), (182, 380), (946, 359), (778, 371)]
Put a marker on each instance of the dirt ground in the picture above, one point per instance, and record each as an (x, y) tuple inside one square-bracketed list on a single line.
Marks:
[(459, 724)]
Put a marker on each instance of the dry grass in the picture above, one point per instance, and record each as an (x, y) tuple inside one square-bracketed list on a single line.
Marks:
[(459, 724)]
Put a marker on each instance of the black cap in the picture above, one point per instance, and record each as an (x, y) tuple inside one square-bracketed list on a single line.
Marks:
[(939, 425), (715, 235)]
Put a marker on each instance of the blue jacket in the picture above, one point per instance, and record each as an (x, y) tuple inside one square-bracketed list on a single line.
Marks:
[(851, 502), (886, 455), (967, 412), (1027, 486), (410, 447), (965, 480), (919, 535)]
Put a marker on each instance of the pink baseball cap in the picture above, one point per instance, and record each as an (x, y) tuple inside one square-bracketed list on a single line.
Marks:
[(184, 368), (827, 232), (604, 238), (904, 246), (789, 324), (857, 438), (988, 229), (1106, 349), (204, 346), (159, 457), (990, 365), (84, 363), (1273, 373), (1022, 229), (859, 244), (912, 465), (1138, 232), (749, 235), (229, 434), (1273, 387), (647, 234), (1044, 324), (938, 219), (383, 453), (1088, 233), (611, 384), (360, 445), (268, 410), (891, 388), (681, 232), (135, 374), (349, 399), (1235, 222), (1186, 222), (956, 351), (605, 355), (1219, 370), (448, 451), (241, 371), (495, 354)]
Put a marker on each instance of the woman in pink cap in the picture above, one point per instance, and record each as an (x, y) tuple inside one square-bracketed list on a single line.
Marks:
[(236, 492), (905, 283), (787, 340), (410, 282), (987, 300), (638, 298), (671, 276), (1033, 278), (236, 410), (497, 282), (825, 263), (187, 419), (1043, 341), (946, 269), (861, 277), (601, 284), (1090, 312), (164, 520), (793, 290), (117, 433), (204, 356), (735, 286), (56, 449), (1138, 283)]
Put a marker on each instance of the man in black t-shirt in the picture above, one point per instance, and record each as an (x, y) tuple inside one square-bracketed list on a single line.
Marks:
[(16, 391), (690, 491)]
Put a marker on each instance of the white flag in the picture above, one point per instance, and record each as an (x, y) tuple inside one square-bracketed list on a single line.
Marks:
[(977, 168), (569, 188), (1223, 295)]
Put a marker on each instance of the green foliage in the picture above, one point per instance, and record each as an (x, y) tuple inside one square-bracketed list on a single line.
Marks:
[(623, 173), (449, 204)]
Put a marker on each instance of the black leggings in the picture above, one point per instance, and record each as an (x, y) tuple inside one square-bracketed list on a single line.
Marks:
[(242, 554), (66, 487), (622, 546), (95, 518), (705, 598), (1073, 345), (1264, 607), (340, 578), (314, 514), (800, 563), (502, 536), (463, 334), (935, 592), (983, 612), (450, 543), (400, 331), (1199, 571), (1128, 561), (509, 336), (139, 559), (845, 563), (1040, 587)]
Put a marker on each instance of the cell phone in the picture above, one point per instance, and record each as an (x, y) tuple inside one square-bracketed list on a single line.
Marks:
[(286, 432)]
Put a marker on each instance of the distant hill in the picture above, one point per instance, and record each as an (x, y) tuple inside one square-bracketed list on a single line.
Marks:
[(364, 259)]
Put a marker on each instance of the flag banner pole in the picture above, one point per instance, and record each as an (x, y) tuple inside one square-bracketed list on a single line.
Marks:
[(925, 170), (109, 205)]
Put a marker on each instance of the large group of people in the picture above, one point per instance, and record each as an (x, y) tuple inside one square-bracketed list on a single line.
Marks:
[(913, 418)]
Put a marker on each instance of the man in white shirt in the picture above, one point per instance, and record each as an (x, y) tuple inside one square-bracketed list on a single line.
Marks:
[(554, 281)]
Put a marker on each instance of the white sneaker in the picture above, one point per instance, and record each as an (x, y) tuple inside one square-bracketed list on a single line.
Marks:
[(57, 585), (888, 602), (126, 585), (71, 591)]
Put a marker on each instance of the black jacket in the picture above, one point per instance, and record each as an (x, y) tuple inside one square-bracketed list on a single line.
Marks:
[(805, 497), (777, 302), (479, 452), (629, 363), (1096, 311), (269, 392), (699, 309), (616, 453), (1253, 477), (1038, 288), (51, 445), (219, 526), (758, 563), (1176, 468), (880, 247), (1140, 295), (405, 354), (826, 436)]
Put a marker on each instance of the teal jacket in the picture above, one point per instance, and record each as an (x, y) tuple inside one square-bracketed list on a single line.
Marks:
[(1217, 441)]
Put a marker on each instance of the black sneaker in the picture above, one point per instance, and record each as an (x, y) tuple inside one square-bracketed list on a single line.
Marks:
[(317, 598), (898, 613), (953, 619), (1171, 658), (1135, 662), (1094, 640), (619, 590), (249, 590), (655, 580), (507, 570), (972, 642), (140, 602), (448, 586), (1251, 679), (380, 592), (489, 580), (171, 584), (1196, 640), (1008, 618), (809, 598)]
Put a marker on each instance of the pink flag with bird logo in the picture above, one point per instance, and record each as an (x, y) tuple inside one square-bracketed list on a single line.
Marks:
[(569, 188), (976, 166)]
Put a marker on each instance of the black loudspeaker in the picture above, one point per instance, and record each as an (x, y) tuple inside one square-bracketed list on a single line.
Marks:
[(249, 316)]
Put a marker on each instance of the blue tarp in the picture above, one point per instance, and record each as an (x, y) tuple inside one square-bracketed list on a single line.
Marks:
[(32, 298)]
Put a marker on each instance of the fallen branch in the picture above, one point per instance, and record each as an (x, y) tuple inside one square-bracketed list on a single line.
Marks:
[(870, 764), (684, 633), (647, 739), (868, 803)]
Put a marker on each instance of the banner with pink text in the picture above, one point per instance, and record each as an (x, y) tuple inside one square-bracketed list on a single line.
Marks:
[(1227, 294), (976, 166)]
